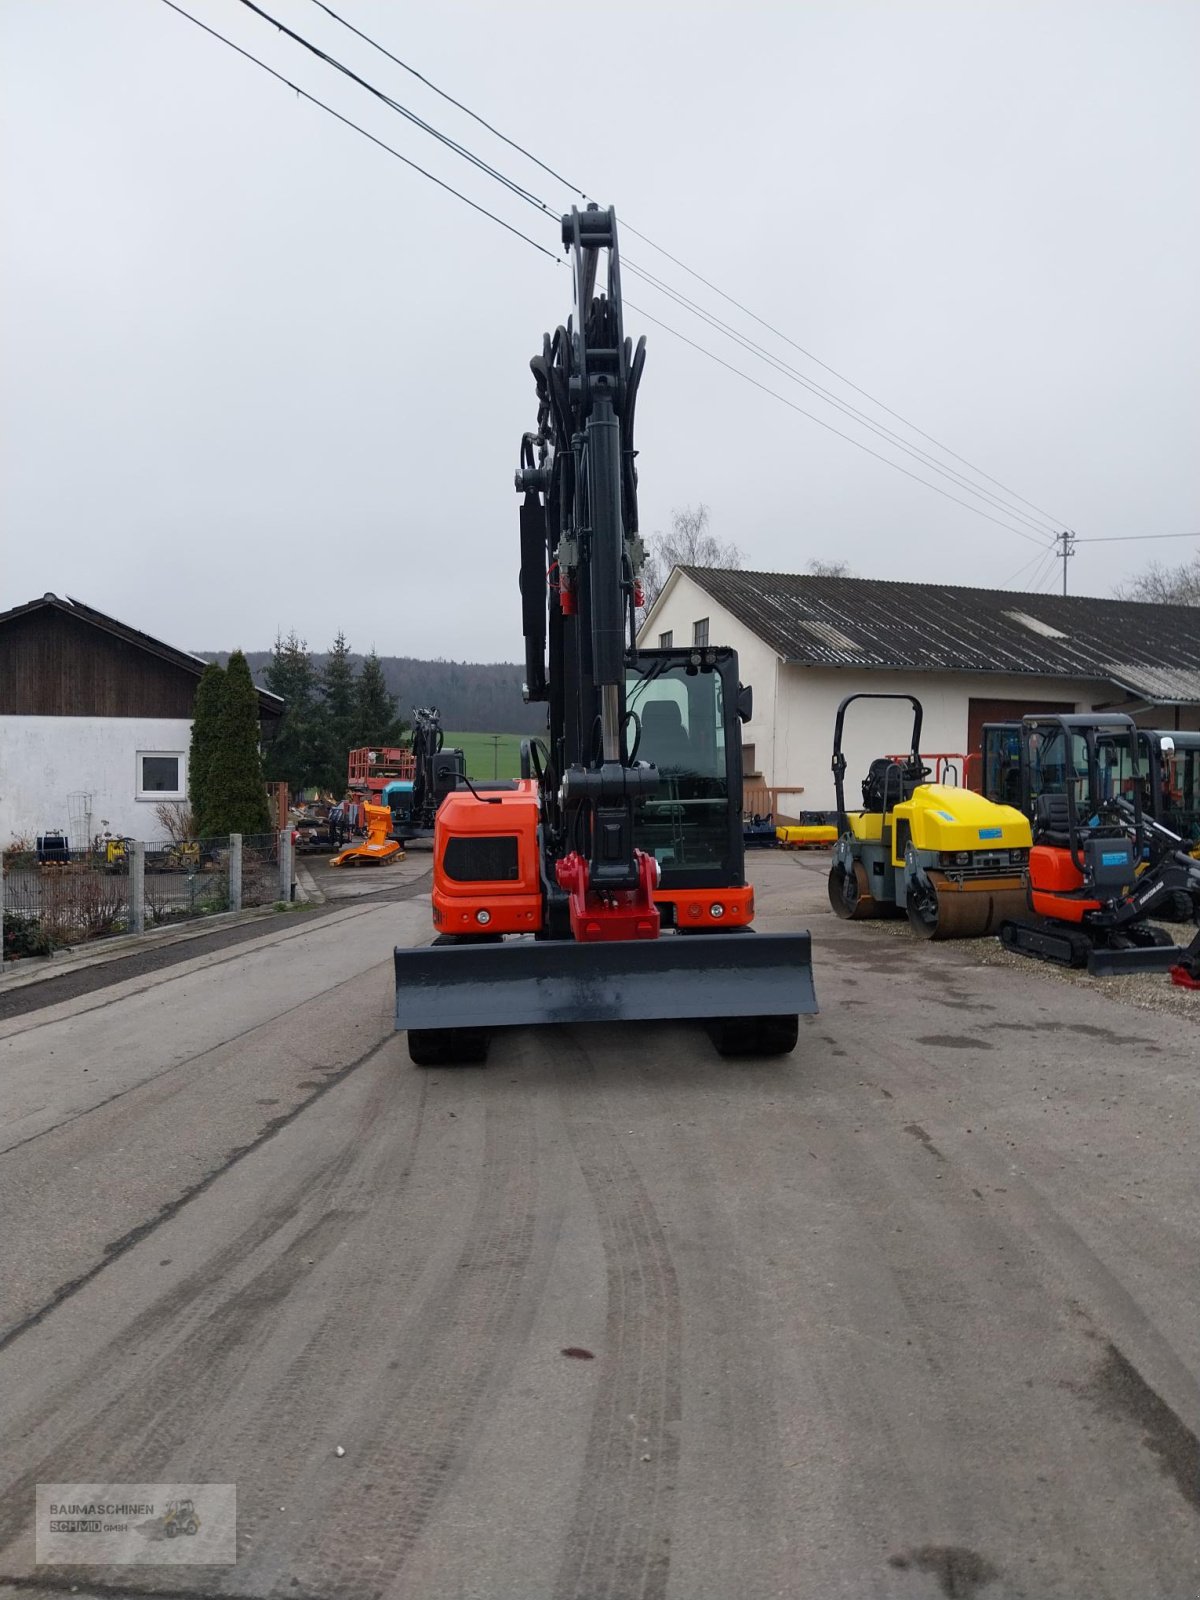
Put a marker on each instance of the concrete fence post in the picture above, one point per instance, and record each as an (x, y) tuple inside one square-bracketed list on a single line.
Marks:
[(285, 865), (137, 888), (235, 872)]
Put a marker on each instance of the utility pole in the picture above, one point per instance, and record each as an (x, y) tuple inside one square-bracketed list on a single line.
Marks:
[(1066, 543)]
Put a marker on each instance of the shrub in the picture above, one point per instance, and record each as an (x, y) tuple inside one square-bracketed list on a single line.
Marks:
[(20, 854), (24, 935)]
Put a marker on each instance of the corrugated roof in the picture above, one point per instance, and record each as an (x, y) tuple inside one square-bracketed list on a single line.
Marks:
[(1151, 651)]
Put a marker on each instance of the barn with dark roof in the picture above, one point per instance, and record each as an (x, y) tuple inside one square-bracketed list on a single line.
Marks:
[(970, 655)]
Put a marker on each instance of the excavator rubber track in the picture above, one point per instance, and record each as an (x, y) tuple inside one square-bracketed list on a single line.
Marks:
[(1068, 947)]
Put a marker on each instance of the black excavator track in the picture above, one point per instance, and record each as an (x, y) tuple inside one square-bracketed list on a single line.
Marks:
[(1142, 948)]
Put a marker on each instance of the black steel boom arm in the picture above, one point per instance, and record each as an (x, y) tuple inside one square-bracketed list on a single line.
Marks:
[(581, 560)]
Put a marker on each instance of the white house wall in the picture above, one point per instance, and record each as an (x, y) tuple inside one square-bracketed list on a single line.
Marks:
[(758, 664), (795, 706), (809, 698), (43, 760)]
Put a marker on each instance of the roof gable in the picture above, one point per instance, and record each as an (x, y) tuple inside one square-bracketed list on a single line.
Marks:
[(270, 705), (1150, 651)]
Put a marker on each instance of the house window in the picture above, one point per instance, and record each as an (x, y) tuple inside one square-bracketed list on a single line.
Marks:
[(160, 775), (700, 632), (749, 761), (665, 640)]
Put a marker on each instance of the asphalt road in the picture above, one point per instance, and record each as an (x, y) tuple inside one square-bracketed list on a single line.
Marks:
[(911, 1313)]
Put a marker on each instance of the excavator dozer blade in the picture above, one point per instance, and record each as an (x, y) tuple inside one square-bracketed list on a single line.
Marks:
[(523, 980), (1104, 963)]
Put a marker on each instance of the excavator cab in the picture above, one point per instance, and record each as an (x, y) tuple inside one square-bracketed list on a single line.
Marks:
[(1021, 763), (685, 708)]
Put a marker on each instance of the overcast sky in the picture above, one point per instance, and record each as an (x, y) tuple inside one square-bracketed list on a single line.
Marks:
[(259, 375)]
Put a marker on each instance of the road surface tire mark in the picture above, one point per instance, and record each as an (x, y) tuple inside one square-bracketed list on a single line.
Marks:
[(212, 1336), (118, 1247), (412, 1440), (619, 1544), (350, 1345), (197, 1055), (960, 1572), (1032, 1269), (1119, 1389)]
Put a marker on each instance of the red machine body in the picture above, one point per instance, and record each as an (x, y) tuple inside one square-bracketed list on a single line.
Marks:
[(1055, 883), (619, 914)]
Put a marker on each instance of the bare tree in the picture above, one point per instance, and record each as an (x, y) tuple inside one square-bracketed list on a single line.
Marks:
[(830, 569), (689, 544), (1165, 586)]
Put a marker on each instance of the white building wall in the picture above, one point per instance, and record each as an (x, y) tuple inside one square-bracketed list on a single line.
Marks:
[(809, 698), (795, 706), (686, 603), (43, 760)]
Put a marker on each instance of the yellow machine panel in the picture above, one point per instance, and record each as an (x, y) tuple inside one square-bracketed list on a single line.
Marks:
[(793, 835), (866, 825), (942, 817)]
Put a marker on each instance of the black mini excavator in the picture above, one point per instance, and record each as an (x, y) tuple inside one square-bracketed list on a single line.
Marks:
[(608, 885), (1100, 868)]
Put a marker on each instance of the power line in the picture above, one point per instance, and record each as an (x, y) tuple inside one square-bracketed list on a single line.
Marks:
[(840, 377), (792, 406), (304, 94), (516, 189), (1043, 572), (1127, 538), (402, 110), (789, 371), (730, 299), (680, 299), (474, 115), (1026, 566)]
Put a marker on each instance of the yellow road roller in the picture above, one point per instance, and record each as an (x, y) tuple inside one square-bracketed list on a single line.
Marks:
[(950, 860)]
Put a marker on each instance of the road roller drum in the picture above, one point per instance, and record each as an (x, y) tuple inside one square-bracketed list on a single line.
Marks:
[(940, 908)]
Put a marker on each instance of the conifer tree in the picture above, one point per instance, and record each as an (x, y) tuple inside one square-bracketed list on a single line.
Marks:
[(339, 688), (377, 721), (294, 754), (236, 795), (206, 719)]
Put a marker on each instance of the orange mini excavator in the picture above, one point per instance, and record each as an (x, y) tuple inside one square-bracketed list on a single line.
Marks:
[(1100, 869), (608, 884)]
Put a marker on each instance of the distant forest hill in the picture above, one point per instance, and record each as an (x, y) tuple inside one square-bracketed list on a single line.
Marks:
[(472, 696)]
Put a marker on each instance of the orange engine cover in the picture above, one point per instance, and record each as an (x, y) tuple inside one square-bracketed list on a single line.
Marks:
[(1052, 870), (485, 862), (1054, 884)]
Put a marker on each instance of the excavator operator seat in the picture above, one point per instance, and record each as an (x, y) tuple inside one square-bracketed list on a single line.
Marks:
[(664, 739), (1052, 820)]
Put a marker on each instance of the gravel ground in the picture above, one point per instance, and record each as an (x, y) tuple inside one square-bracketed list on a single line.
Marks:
[(1150, 991)]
